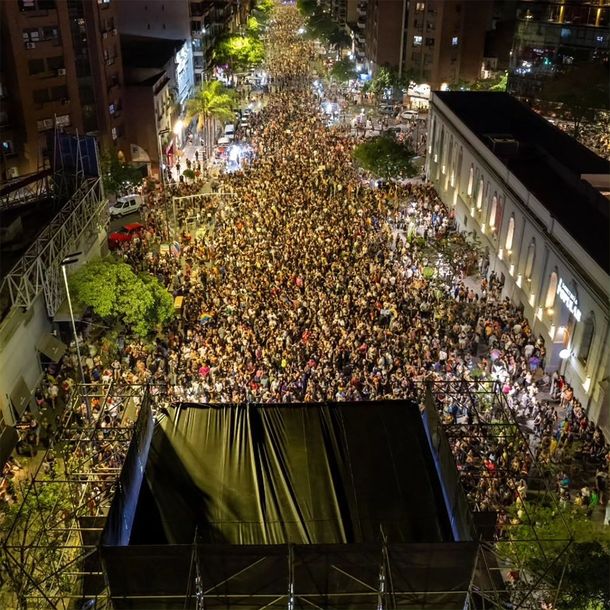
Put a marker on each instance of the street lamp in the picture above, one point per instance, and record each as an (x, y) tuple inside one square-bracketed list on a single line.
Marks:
[(69, 260)]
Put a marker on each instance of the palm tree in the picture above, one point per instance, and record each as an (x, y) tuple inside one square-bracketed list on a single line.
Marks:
[(212, 102)]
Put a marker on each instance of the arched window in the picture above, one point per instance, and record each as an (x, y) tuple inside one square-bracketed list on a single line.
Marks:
[(493, 209), (531, 258), (551, 292), (470, 180), (510, 233), (586, 339), (480, 193), (441, 147), (458, 169)]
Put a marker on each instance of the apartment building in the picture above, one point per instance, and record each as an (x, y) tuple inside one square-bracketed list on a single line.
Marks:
[(445, 40), (61, 66), (554, 35)]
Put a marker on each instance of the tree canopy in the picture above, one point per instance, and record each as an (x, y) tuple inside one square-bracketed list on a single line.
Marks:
[(320, 25), (211, 100), (344, 70), (581, 91), (240, 53), (585, 583), (385, 157), (118, 177), (116, 294)]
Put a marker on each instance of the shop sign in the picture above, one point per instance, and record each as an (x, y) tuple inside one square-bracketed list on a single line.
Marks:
[(569, 299)]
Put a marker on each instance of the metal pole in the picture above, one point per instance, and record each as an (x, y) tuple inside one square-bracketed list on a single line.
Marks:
[(402, 38), (80, 361)]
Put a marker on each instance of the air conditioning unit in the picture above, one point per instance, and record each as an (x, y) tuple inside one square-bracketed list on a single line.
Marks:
[(12, 172), (61, 72), (30, 45)]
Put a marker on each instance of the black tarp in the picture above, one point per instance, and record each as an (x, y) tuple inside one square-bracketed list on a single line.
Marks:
[(304, 474)]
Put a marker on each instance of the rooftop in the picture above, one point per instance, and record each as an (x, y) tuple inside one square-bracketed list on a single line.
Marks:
[(547, 161), (148, 52)]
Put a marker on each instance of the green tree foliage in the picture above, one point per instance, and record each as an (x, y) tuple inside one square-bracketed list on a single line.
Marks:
[(116, 294), (30, 545), (240, 53), (307, 7), (211, 101), (581, 91), (253, 27), (585, 583), (385, 157), (118, 177), (344, 70), (321, 26), (264, 6)]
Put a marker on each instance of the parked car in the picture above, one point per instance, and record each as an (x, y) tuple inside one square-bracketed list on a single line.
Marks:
[(408, 115), (126, 205), (126, 233)]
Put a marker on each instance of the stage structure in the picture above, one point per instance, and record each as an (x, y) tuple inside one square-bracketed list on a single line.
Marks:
[(233, 509), (50, 542)]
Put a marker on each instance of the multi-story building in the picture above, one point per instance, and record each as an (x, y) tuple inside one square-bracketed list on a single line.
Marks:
[(552, 35), (383, 32), (537, 201), (444, 40), (61, 66)]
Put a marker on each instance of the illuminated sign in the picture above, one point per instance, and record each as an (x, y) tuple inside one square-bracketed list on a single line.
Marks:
[(568, 299)]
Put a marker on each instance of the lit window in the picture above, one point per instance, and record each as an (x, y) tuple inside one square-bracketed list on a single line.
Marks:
[(470, 180), (417, 41), (480, 194), (420, 6), (455, 41), (493, 211), (510, 233), (551, 292)]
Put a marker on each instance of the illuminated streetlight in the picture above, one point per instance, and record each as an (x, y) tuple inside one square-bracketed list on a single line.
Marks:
[(178, 127)]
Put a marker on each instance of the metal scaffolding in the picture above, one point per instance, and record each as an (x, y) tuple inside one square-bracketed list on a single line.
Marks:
[(50, 547), (27, 189), (79, 222), (503, 576)]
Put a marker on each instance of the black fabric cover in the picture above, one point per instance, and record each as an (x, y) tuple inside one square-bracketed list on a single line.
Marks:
[(308, 474)]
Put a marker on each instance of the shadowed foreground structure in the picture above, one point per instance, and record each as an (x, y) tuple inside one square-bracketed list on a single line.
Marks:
[(334, 505)]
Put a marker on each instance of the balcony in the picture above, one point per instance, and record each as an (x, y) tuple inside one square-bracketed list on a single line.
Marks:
[(361, 24)]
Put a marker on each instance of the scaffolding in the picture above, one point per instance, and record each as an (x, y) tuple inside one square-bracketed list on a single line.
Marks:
[(50, 544), (507, 534)]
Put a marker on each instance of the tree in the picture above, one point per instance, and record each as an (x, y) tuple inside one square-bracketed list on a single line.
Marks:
[(213, 101), (253, 27), (344, 70), (583, 572), (385, 157), (116, 294), (307, 7), (118, 177), (240, 53), (581, 91)]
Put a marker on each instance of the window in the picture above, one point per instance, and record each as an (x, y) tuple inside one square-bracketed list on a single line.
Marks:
[(455, 41), (493, 210), (31, 35), (529, 261), (417, 41), (420, 6), (429, 42), (551, 292), (36, 66), (470, 180), (480, 194), (510, 233), (55, 63), (586, 339), (7, 147), (50, 33), (60, 93)]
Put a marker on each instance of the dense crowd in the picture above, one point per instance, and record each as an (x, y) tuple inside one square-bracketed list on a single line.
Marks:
[(308, 285)]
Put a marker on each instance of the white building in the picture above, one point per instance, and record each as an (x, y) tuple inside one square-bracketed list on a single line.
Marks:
[(538, 202)]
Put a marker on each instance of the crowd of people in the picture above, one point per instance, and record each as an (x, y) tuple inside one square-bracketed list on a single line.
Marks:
[(310, 286)]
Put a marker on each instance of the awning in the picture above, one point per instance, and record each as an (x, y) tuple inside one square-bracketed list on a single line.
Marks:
[(20, 397), (63, 312), (51, 347)]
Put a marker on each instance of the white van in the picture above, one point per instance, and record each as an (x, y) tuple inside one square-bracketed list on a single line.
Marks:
[(126, 205), (230, 131)]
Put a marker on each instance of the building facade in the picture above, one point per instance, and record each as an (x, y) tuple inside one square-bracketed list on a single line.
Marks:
[(61, 66), (445, 39), (383, 33), (553, 35), (534, 199)]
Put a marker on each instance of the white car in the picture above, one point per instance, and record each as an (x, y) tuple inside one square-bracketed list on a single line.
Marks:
[(126, 205), (230, 131), (408, 115)]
